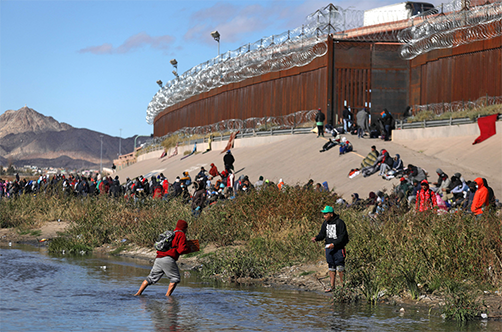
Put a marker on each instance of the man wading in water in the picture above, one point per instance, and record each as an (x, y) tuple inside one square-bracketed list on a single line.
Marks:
[(165, 263), (334, 233)]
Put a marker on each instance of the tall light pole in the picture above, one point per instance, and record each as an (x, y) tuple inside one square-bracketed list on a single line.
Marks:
[(135, 138), (120, 142), (216, 36), (101, 157)]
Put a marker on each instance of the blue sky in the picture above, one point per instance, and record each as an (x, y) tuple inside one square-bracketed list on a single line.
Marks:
[(94, 64)]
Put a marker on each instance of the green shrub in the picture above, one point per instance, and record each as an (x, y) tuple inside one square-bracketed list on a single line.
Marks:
[(234, 264), (69, 246), (462, 306), (345, 295)]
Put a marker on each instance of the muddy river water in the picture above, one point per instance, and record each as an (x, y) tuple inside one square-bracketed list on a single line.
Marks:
[(57, 293)]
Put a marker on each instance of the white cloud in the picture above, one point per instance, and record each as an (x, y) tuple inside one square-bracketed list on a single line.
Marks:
[(137, 41), (230, 20)]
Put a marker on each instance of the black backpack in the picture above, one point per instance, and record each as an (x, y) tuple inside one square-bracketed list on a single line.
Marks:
[(165, 240)]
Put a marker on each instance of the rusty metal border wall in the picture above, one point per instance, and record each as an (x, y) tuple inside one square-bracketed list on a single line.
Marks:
[(370, 75), (464, 73), (359, 69), (272, 94)]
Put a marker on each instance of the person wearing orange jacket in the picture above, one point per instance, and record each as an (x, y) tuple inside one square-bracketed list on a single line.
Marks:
[(480, 198)]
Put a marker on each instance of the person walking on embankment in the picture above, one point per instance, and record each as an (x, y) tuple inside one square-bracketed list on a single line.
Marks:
[(228, 161), (319, 121)]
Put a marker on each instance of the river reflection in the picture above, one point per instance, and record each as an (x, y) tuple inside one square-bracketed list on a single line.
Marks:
[(47, 293)]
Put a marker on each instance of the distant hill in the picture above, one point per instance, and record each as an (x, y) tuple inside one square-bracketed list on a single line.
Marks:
[(28, 120), (30, 138)]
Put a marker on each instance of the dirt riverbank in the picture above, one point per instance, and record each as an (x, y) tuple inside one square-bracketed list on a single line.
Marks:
[(304, 277)]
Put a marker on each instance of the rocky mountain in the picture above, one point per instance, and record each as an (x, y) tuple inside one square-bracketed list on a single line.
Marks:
[(30, 138), (28, 120)]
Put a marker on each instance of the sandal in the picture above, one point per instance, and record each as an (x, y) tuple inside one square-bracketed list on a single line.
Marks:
[(329, 290)]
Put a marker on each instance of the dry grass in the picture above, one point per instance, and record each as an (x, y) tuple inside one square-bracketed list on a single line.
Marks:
[(467, 113)]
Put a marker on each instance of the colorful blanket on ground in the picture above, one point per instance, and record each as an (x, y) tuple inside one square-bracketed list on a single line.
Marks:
[(353, 173), (369, 160)]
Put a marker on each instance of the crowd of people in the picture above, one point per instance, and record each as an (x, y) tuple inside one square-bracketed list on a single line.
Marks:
[(207, 187), (355, 125), (356, 122), (414, 190), (453, 193)]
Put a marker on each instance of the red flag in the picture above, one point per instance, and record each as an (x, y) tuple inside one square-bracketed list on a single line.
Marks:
[(231, 141), (486, 127)]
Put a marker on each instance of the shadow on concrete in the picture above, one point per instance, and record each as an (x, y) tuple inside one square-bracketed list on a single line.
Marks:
[(240, 170)]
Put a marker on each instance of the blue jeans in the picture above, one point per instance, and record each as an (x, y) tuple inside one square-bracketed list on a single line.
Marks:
[(346, 124), (387, 132)]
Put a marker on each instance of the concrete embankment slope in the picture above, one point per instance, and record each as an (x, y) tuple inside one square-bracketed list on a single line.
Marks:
[(296, 159)]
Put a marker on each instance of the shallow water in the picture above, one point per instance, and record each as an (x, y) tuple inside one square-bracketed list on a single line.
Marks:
[(48, 293)]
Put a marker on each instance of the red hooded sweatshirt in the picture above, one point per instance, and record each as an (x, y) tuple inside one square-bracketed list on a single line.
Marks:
[(180, 246), (214, 171)]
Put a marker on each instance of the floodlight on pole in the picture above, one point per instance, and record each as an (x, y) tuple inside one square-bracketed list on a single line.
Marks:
[(216, 36), (175, 65)]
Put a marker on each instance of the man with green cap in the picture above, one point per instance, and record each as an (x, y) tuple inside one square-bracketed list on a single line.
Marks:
[(334, 233)]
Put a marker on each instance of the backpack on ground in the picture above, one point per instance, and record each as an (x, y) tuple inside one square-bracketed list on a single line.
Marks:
[(165, 241)]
